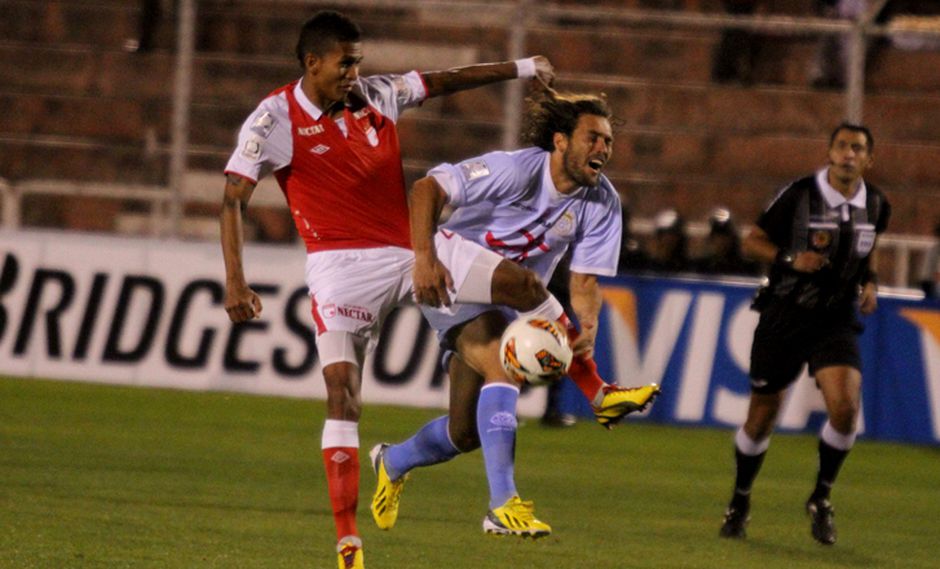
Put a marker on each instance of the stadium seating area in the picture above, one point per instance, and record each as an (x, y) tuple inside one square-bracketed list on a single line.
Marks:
[(80, 106)]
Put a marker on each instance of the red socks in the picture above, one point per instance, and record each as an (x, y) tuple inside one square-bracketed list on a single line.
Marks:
[(583, 370), (342, 476)]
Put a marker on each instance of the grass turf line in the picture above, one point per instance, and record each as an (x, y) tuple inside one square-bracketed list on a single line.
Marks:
[(103, 476)]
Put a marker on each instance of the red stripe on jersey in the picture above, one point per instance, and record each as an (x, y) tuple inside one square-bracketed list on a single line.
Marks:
[(321, 325), (345, 192), (424, 84)]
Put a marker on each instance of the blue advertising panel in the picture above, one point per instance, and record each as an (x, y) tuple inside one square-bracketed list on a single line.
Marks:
[(693, 338)]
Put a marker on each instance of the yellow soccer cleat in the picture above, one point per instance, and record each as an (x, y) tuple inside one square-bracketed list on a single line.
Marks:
[(618, 402), (387, 491), (349, 552), (515, 517)]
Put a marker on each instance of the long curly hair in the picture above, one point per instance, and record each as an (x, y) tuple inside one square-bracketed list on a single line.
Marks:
[(550, 112)]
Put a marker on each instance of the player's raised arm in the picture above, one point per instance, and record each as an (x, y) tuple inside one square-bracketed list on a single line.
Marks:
[(241, 302), (461, 78), (432, 280)]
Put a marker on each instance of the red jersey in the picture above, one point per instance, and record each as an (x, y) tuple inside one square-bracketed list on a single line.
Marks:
[(342, 178)]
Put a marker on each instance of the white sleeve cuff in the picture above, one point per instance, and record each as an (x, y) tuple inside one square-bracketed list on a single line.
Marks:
[(525, 67)]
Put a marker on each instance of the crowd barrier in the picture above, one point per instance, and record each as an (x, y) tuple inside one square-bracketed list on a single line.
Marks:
[(150, 313), (694, 339)]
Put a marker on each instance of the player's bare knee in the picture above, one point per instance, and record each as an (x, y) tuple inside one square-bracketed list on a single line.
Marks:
[(758, 432), (843, 417), (342, 399), (518, 288), (531, 292), (466, 441)]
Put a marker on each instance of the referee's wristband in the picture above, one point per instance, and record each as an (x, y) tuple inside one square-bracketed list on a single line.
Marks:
[(525, 68)]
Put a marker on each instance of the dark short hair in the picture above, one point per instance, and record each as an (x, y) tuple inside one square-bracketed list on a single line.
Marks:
[(869, 139), (325, 28), (553, 112)]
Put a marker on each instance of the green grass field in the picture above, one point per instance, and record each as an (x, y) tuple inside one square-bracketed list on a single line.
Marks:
[(100, 476)]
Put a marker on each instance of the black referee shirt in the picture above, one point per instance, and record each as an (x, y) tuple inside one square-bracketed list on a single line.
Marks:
[(810, 215)]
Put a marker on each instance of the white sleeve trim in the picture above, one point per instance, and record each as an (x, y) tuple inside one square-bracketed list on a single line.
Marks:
[(417, 84), (594, 271), (448, 182)]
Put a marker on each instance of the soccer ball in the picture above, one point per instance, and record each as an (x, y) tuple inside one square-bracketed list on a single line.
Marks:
[(535, 351)]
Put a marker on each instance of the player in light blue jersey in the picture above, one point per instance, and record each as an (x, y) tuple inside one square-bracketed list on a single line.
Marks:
[(515, 215)]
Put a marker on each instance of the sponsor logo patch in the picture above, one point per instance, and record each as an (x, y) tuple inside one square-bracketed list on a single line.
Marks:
[(347, 311), (263, 125), (474, 169), (503, 421), (320, 149), (252, 148), (821, 239), (309, 130), (866, 240)]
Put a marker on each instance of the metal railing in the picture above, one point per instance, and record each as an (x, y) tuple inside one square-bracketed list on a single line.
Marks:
[(202, 188)]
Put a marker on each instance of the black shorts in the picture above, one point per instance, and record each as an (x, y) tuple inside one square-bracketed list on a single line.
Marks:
[(787, 336)]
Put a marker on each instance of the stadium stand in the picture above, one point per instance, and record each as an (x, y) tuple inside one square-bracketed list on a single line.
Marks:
[(85, 109)]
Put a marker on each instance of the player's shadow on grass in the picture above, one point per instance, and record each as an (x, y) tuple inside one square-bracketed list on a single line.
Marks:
[(810, 551), (211, 505)]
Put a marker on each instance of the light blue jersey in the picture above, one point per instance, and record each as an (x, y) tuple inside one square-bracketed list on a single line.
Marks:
[(507, 202)]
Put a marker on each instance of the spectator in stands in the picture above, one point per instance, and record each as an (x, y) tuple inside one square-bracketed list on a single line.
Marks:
[(721, 253), (737, 51), (930, 272), (668, 249), (632, 257), (151, 13), (831, 63), (829, 67)]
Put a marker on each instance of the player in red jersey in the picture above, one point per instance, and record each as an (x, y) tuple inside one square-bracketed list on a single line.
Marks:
[(330, 140)]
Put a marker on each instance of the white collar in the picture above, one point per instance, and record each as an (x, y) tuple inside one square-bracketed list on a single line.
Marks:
[(305, 103), (834, 197)]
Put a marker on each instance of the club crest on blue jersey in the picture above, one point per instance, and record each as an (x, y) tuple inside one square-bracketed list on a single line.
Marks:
[(564, 226)]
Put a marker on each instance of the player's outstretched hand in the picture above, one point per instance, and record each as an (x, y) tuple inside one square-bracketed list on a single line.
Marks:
[(544, 71), (583, 345), (432, 282), (242, 303)]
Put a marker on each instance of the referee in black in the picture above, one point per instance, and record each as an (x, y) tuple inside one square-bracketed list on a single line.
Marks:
[(817, 235)]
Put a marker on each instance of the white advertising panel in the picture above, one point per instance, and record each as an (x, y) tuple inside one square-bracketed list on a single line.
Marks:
[(150, 312)]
